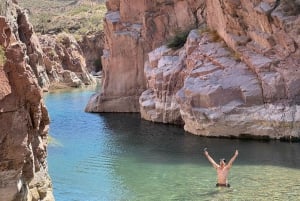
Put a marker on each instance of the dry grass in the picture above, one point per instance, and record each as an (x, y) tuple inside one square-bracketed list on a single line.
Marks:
[(203, 29), (215, 37), (237, 56), (77, 17)]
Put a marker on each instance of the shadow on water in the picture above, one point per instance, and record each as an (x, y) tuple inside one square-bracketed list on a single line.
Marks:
[(121, 157), (171, 144)]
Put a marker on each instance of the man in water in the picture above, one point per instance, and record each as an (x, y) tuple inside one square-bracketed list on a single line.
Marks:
[(222, 168)]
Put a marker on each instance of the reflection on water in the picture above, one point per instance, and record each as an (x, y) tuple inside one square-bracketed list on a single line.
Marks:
[(121, 157)]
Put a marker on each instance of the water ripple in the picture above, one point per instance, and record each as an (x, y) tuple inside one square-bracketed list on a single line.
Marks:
[(114, 157)]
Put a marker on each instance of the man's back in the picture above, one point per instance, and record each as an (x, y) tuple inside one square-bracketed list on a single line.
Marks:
[(222, 174)]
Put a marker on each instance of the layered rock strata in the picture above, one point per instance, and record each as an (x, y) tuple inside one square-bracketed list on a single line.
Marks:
[(24, 119), (237, 77), (132, 29)]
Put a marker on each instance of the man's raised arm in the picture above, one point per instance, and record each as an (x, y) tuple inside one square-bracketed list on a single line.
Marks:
[(214, 164), (233, 158)]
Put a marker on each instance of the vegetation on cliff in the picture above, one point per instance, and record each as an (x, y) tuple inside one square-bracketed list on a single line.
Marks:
[(178, 40), (2, 56), (78, 17)]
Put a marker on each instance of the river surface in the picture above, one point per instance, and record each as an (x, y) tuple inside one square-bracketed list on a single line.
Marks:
[(118, 157)]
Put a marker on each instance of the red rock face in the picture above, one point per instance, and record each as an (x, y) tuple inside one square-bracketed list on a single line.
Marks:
[(34, 50), (24, 122), (132, 29), (238, 76)]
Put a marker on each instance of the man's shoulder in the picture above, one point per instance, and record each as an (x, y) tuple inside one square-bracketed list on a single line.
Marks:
[(227, 167)]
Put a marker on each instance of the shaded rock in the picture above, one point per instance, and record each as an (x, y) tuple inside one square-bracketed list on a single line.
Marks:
[(92, 48)]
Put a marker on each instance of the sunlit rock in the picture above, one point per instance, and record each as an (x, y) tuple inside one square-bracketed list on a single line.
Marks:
[(238, 75), (24, 119), (132, 29), (64, 61)]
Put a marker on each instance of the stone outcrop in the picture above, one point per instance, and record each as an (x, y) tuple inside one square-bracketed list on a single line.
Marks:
[(132, 29), (24, 119), (64, 61), (34, 51), (237, 77)]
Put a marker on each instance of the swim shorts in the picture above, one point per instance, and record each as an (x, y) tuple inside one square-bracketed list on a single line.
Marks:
[(223, 185)]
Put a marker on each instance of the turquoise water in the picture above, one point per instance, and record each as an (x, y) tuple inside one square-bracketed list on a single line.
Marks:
[(118, 157)]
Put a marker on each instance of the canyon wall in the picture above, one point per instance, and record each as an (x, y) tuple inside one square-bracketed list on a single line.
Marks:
[(57, 61), (236, 76), (132, 29), (24, 119), (64, 61), (92, 47)]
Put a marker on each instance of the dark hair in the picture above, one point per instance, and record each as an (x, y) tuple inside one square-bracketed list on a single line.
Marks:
[(223, 159)]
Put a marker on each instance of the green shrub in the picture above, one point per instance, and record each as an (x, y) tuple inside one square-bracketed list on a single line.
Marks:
[(178, 40), (56, 16), (2, 56)]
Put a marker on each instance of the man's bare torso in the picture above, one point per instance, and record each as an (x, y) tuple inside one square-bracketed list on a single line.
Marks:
[(222, 173)]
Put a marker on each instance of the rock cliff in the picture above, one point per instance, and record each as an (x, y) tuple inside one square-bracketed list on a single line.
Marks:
[(237, 75), (64, 61), (240, 73), (57, 61), (24, 119), (92, 48), (132, 29)]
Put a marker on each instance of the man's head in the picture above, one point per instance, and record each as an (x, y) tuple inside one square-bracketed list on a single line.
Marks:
[(222, 162)]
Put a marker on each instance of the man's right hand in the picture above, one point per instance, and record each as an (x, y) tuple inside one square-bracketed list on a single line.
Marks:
[(205, 151)]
